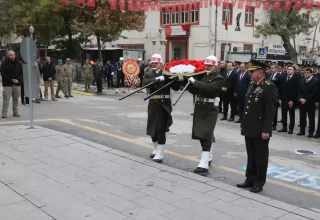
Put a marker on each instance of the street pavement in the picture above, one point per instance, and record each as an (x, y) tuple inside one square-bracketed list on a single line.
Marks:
[(47, 174), (121, 125)]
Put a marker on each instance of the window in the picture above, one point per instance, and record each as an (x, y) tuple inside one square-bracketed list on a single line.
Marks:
[(249, 17), (194, 15), (165, 17), (184, 17), (302, 49), (174, 17), (225, 56), (177, 53), (247, 48), (305, 16), (227, 13)]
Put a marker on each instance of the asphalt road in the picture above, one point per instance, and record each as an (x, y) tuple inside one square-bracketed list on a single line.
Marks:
[(292, 178)]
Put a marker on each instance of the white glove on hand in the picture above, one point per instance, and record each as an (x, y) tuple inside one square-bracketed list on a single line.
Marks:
[(160, 78), (191, 79), (112, 73), (216, 101)]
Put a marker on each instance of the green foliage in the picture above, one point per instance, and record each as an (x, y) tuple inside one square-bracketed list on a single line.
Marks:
[(6, 22)]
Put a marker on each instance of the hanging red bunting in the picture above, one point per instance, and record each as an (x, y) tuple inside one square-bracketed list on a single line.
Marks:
[(298, 5), (179, 6), (167, 7), (130, 5), (266, 5), (317, 3), (65, 1), (249, 4), (201, 4), (113, 5), (309, 4), (206, 3), (217, 2), (173, 7), (92, 3), (190, 4), (185, 6), (276, 5), (234, 3), (159, 5), (138, 6), (287, 5), (145, 5), (81, 1), (240, 4), (225, 4), (122, 5), (196, 5), (152, 5)]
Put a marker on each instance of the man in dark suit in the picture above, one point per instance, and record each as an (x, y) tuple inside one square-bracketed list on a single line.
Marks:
[(276, 78), (289, 98), (243, 80), (307, 96), (222, 72), (256, 126), (228, 93)]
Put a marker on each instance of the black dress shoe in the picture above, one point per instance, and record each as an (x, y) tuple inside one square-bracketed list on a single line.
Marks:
[(274, 128), (70, 96), (231, 119), (23, 103), (223, 118), (158, 160), (245, 185), (256, 189), (239, 121), (152, 155), (58, 97), (290, 132), (316, 136), (301, 133), (201, 171), (310, 135), (283, 130)]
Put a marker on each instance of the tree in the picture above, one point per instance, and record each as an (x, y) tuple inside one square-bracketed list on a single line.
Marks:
[(287, 25), (106, 24), (6, 22)]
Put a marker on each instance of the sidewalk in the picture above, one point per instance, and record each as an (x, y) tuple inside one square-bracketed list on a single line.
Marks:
[(48, 175)]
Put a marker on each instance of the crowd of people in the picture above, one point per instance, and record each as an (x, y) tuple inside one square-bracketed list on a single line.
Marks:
[(298, 88)]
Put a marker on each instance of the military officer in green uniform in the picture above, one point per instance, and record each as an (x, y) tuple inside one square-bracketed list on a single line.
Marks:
[(68, 72), (60, 77), (256, 125), (207, 91), (87, 75), (159, 107)]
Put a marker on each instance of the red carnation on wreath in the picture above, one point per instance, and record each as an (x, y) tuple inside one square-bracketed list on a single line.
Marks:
[(132, 81), (185, 66)]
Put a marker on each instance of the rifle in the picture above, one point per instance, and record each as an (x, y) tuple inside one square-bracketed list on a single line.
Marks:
[(143, 87), (184, 89), (168, 84)]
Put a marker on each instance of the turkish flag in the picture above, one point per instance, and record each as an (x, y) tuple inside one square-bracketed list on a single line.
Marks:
[(65, 1), (159, 5), (266, 5), (167, 7), (152, 5), (130, 5), (81, 1), (217, 2), (287, 5), (258, 4), (190, 4), (317, 3), (276, 5), (138, 6), (113, 5), (309, 4), (122, 5), (173, 7), (145, 5), (201, 4), (185, 6), (206, 3), (249, 4), (234, 3), (240, 4), (196, 5), (298, 5), (91, 3), (179, 6)]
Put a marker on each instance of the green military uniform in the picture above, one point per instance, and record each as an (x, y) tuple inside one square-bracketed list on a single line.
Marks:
[(61, 78), (38, 78), (260, 108), (68, 73), (87, 75)]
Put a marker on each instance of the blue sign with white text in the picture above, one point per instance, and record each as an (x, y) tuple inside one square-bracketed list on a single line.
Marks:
[(261, 51)]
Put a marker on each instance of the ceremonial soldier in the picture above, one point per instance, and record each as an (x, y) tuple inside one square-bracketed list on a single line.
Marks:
[(256, 126), (68, 72), (87, 75), (207, 90), (159, 107), (60, 77)]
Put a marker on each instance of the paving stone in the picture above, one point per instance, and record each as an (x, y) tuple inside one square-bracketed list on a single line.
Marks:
[(264, 209), (119, 190), (80, 162), (53, 161), (307, 213), (100, 146), (63, 139), (223, 186), (157, 206), (94, 151), (13, 143), (119, 153), (139, 159), (21, 157), (81, 153), (201, 198), (197, 186), (281, 205), (192, 176), (23, 211), (202, 210), (111, 200), (169, 176), (4, 148), (161, 194), (126, 162), (57, 175), (254, 196), (141, 213), (183, 215), (292, 217), (50, 142), (235, 211), (26, 149), (8, 196), (147, 169), (161, 183), (223, 195), (34, 201), (39, 165)]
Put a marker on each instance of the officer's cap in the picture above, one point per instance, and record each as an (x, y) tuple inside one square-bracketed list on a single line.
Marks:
[(256, 65), (59, 61)]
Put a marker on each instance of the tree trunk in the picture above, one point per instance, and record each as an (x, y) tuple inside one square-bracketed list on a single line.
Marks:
[(290, 49), (99, 47)]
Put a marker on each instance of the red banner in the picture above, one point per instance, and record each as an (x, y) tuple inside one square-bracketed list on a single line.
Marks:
[(196, 5), (240, 4), (201, 4), (276, 5), (234, 3), (138, 6), (173, 7), (152, 5), (130, 5), (298, 5), (258, 4), (190, 4), (309, 4), (179, 6), (185, 6), (266, 5), (113, 5), (122, 5), (145, 5), (159, 5), (206, 3), (81, 1), (317, 3), (287, 5), (249, 4), (216, 2), (167, 7), (91, 3)]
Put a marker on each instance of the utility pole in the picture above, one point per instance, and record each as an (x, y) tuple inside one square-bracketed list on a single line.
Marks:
[(209, 28), (215, 31), (314, 39)]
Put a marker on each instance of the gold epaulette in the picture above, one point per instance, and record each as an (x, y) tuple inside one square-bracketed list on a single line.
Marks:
[(268, 82)]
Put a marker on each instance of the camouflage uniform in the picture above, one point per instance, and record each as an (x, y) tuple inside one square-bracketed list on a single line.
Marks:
[(68, 74), (38, 78), (61, 78), (88, 75)]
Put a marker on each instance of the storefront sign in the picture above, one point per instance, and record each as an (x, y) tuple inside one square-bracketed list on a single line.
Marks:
[(180, 30), (276, 49)]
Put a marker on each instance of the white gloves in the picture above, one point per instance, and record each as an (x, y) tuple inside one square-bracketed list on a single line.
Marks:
[(112, 73), (191, 79), (160, 78), (216, 101)]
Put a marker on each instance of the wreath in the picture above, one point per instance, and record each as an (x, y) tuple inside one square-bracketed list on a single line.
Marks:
[(184, 68)]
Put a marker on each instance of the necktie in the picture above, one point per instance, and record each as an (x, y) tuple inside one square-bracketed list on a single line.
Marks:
[(288, 78), (228, 74), (241, 76)]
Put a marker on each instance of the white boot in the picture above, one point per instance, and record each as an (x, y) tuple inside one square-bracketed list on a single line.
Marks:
[(204, 163), (210, 156), (155, 146), (159, 153)]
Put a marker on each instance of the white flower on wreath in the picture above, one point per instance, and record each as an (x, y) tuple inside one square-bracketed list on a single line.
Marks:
[(182, 68)]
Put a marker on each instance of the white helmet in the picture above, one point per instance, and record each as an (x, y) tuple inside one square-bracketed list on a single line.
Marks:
[(156, 58), (211, 60), (121, 59), (139, 59)]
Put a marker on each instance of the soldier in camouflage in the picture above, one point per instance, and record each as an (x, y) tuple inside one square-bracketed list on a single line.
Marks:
[(37, 63), (60, 77), (68, 74), (87, 75)]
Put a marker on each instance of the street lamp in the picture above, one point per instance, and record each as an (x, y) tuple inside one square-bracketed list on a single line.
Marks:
[(31, 31), (154, 42), (160, 30)]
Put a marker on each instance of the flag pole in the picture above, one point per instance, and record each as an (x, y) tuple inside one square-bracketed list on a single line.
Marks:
[(226, 25), (209, 24)]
